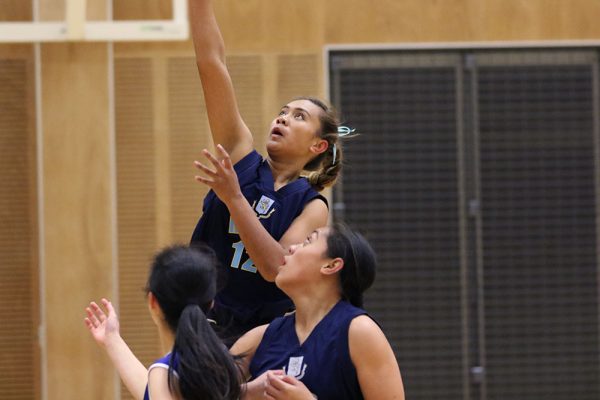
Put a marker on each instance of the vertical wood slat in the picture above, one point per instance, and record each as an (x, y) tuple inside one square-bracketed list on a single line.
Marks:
[(77, 214), (189, 134), (19, 352), (136, 202)]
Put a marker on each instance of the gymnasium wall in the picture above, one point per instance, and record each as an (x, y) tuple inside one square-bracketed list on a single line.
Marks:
[(96, 162)]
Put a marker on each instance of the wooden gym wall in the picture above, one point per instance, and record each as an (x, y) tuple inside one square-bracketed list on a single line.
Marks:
[(82, 211)]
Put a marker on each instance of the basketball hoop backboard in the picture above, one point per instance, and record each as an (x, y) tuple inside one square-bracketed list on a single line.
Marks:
[(76, 28)]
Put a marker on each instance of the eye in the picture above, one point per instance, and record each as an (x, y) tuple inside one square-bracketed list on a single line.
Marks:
[(306, 241), (300, 116), (282, 112)]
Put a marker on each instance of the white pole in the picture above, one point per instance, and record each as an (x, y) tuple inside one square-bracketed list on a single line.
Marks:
[(75, 16)]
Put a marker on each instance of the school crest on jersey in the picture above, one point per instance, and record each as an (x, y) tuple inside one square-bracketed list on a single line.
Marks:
[(264, 207), (295, 367)]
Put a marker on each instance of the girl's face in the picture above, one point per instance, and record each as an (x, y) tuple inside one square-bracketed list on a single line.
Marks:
[(304, 261), (294, 132)]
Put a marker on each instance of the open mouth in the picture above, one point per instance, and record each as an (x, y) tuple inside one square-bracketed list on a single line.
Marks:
[(276, 132)]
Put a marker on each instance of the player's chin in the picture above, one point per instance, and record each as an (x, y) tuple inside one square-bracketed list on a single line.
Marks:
[(275, 147)]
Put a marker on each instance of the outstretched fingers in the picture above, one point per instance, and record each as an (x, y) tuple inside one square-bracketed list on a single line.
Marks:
[(205, 169), (94, 315), (226, 160), (109, 307), (214, 161)]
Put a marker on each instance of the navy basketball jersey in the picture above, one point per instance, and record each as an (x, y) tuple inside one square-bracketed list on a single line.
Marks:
[(250, 299), (322, 362)]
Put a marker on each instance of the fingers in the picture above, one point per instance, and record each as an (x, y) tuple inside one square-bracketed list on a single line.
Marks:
[(213, 160), (223, 163), (98, 312), (289, 379), (225, 157), (109, 307), (92, 321), (204, 168), (276, 381), (95, 315)]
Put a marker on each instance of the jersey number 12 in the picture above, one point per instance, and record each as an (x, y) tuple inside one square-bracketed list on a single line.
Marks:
[(248, 265)]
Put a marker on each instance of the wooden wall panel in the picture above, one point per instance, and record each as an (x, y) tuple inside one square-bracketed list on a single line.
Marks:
[(77, 214), (136, 202), (288, 27), (298, 75), (248, 80), (274, 49), (15, 10), (19, 349), (142, 9), (189, 134)]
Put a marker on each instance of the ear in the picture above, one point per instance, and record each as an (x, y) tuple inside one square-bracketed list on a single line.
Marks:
[(152, 302), (333, 267), (320, 146)]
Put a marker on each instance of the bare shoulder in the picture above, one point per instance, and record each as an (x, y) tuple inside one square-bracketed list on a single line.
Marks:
[(158, 387), (376, 365), (247, 344), (363, 327), (366, 339)]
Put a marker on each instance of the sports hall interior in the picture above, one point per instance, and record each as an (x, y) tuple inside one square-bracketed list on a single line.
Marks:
[(488, 231)]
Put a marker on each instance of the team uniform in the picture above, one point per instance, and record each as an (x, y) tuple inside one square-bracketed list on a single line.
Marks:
[(322, 362), (247, 300), (161, 363)]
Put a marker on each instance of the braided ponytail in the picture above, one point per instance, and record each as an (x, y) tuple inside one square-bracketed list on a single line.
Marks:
[(328, 168), (325, 168)]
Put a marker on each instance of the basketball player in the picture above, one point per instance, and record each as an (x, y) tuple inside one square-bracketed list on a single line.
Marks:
[(329, 348), (257, 207), (180, 291)]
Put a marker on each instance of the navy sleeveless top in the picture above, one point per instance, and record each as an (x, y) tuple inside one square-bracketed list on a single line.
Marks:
[(247, 297), (322, 362)]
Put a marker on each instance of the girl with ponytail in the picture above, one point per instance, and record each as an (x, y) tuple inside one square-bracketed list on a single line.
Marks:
[(257, 206), (329, 348), (180, 291)]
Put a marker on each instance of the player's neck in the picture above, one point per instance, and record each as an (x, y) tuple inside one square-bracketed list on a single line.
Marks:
[(310, 310), (283, 172), (167, 338)]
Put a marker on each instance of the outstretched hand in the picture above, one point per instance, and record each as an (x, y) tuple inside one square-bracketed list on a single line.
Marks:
[(287, 387), (222, 179), (103, 324)]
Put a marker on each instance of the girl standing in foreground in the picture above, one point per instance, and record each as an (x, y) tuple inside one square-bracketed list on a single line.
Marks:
[(257, 207), (329, 348), (180, 291)]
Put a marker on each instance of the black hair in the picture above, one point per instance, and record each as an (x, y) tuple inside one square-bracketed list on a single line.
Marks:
[(183, 281), (360, 262)]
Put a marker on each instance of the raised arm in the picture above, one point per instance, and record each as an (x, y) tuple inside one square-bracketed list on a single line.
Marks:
[(226, 124), (266, 253), (376, 366), (104, 327)]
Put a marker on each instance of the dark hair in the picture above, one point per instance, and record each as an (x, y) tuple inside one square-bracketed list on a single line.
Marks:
[(360, 262), (324, 169), (183, 280)]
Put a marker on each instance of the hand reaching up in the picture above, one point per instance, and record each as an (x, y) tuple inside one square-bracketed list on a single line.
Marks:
[(103, 324), (223, 178)]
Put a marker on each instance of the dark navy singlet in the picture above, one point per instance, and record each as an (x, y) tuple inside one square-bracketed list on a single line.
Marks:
[(322, 362), (247, 297)]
